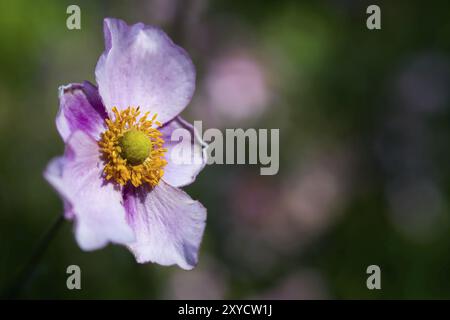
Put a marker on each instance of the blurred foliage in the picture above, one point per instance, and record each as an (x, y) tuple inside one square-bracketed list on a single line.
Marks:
[(336, 86)]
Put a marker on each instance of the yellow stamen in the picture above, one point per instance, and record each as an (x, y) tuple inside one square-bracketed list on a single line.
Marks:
[(128, 156)]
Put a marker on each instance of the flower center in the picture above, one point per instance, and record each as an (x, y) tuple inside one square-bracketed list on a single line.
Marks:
[(135, 146), (132, 148)]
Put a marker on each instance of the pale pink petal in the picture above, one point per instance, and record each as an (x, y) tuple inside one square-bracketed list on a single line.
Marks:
[(168, 225), (95, 205), (185, 157), (80, 108), (142, 67)]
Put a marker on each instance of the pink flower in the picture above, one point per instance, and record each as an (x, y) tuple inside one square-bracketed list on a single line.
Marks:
[(236, 87), (116, 177)]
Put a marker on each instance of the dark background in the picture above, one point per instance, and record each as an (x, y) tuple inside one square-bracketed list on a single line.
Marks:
[(364, 128)]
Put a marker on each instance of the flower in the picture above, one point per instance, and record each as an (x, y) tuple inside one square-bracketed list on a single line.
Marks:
[(224, 83), (116, 177), (222, 98)]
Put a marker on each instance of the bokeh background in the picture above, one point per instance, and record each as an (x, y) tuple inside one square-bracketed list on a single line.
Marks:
[(364, 127)]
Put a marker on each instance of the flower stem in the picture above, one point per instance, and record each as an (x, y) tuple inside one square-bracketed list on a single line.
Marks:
[(13, 291)]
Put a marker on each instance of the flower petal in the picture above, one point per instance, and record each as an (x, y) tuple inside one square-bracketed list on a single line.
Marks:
[(168, 225), (142, 67), (53, 174), (80, 108), (95, 205), (185, 157)]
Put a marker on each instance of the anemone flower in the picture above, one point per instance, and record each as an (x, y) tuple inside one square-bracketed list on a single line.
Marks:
[(116, 177)]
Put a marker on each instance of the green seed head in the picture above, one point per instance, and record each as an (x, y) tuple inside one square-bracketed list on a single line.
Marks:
[(135, 146)]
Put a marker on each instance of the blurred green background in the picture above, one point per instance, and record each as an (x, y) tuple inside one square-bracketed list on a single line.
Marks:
[(364, 126)]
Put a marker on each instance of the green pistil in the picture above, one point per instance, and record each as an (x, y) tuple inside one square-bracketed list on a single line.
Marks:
[(135, 146)]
